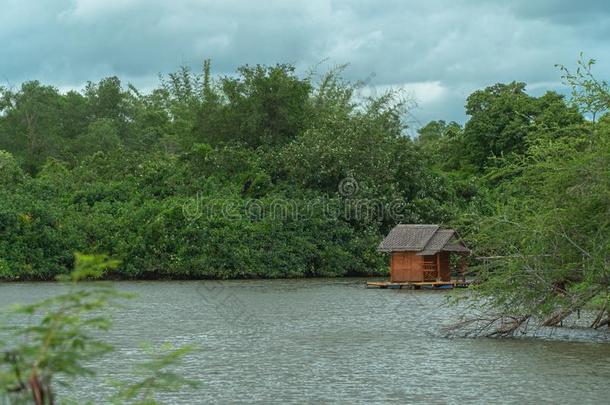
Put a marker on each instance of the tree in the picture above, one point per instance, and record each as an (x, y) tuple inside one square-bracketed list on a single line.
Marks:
[(106, 99), (550, 238), (30, 123), (547, 241), (504, 116), (266, 105), (441, 142), (101, 136)]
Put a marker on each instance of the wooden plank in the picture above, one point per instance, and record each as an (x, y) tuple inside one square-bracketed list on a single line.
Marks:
[(389, 284)]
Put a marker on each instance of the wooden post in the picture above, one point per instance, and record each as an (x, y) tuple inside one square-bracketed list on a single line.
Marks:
[(438, 267)]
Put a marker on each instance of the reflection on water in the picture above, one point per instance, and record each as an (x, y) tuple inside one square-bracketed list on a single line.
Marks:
[(333, 340)]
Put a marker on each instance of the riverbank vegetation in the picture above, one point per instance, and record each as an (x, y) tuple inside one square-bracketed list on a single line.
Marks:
[(185, 181)]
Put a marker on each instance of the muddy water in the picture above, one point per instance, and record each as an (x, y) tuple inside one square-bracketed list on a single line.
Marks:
[(293, 341)]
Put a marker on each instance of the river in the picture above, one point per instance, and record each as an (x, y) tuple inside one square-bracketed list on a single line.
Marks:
[(332, 340)]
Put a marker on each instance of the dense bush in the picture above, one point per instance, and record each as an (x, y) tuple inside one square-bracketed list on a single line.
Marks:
[(269, 174), (187, 181)]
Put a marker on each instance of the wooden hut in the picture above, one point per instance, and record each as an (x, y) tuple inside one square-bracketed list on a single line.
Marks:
[(421, 253)]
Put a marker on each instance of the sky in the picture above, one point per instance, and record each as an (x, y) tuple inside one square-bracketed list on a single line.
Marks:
[(437, 51)]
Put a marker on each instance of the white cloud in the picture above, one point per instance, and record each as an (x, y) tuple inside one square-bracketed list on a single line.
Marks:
[(426, 92)]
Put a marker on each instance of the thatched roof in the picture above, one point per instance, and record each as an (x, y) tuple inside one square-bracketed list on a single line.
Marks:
[(424, 239)]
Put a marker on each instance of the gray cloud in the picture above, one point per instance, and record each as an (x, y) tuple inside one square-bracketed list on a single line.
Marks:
[(439, 50)]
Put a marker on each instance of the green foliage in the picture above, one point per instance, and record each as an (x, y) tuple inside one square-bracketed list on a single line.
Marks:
[(31, 123), (530, 178), (57, 339), (549, 233), (265, 105), (270, 174), (101, 136), (185, 181), (154, 376), (10, 172), (504, 117), (441, 143), (553, 233), (4, 269), (590, 95)]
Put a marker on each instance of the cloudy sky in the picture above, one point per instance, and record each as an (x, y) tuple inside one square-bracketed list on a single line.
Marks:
[(440, 51)]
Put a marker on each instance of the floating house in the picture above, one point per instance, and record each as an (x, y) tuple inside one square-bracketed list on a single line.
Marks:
[(420, 255)]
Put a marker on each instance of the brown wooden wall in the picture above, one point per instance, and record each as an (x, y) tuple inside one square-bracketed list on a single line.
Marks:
[(409, 267), (406, 266)]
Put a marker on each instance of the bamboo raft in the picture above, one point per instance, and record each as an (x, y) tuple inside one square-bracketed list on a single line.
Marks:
[(417, 285)]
